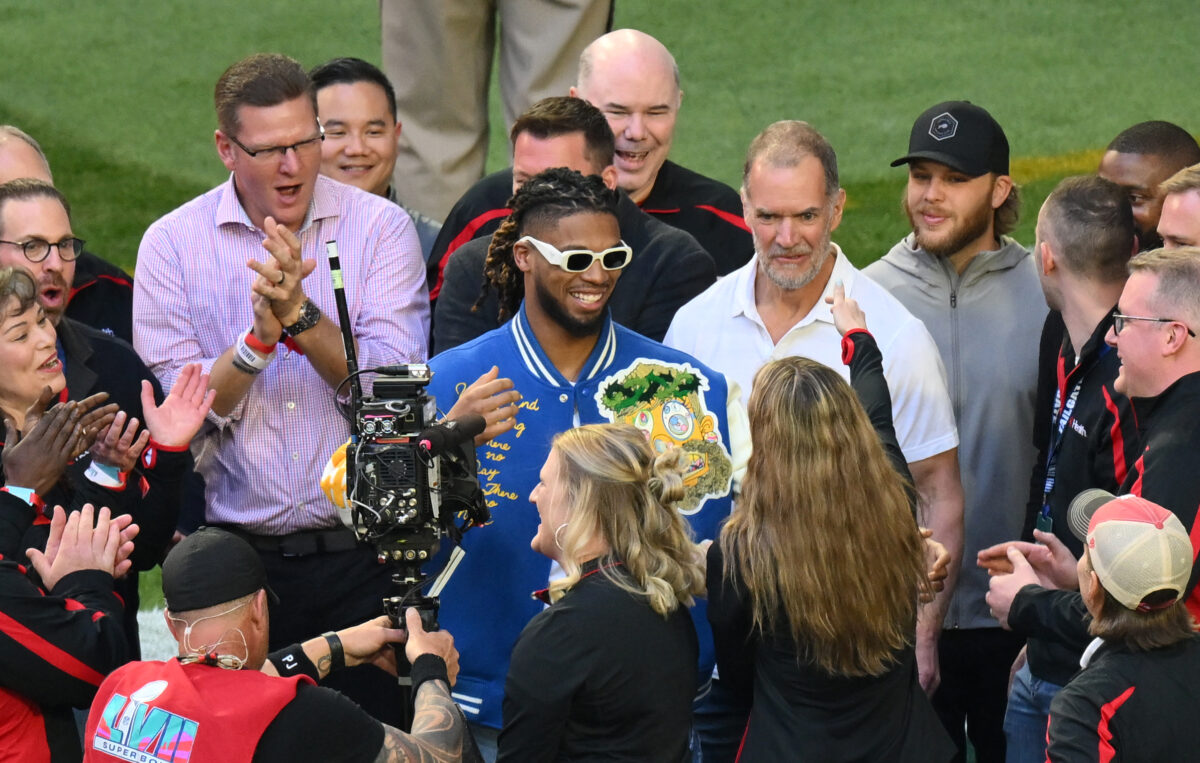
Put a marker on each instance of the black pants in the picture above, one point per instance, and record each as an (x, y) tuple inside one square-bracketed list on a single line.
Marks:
[(974, 666), (327, 592)]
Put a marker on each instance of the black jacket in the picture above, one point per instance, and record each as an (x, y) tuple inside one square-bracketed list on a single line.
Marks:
[(1166, 472), (1129, 707), (1096, 449), (708, 210), (668, 269), (599, 675), (55, 646), (102, 297)]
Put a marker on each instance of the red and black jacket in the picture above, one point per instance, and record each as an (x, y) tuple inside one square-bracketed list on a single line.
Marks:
[(55, 647)]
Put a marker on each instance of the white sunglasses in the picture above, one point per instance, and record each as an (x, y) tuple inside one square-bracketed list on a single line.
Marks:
[(579, 260)]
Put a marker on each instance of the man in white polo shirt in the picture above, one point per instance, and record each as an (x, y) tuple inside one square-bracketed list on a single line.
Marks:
[(774, 306)]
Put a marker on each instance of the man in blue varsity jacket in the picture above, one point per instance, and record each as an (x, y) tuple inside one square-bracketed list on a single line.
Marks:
[(560, 362)]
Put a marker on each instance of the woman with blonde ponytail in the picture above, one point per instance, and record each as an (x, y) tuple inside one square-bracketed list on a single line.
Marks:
[(609, 669)]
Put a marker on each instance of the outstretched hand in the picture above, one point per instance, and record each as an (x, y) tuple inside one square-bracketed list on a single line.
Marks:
[(847, 315), (494, 399), (174, 423), (77, 543), (119, 445), (371, 642), (1052, 562)]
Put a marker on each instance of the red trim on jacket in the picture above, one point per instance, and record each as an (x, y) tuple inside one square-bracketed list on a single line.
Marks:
[(1118, 439), (729, 217), (1107, 711), (62, 660), (122, 281), (465, 235)]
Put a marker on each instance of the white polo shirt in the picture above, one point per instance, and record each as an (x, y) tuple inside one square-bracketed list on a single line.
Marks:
[(722, 328)]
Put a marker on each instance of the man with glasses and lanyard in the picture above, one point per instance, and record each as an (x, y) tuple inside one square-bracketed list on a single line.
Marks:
[(1085, 236), (274, 355), (1153, 336)]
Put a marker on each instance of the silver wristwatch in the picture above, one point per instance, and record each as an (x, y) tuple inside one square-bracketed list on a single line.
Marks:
[(309, 315)]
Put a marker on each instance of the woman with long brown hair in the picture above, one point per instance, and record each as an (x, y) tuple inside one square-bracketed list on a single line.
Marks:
[(813, 584)]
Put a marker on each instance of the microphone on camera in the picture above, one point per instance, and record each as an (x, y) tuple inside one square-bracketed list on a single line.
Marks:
[(449, 434)]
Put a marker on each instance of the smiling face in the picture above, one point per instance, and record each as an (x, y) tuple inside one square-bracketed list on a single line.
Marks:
[(549, 497), (42, 218), (792, 220), (28, 355), (574, 302), (360, 135), (1140, 343), (952, 213), (633, 83), (277, 186)]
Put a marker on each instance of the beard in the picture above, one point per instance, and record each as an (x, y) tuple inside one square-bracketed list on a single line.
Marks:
[(556, 312), (789, 279), (964, 230)]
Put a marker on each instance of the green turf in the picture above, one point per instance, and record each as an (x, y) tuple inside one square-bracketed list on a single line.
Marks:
[(120, 93)]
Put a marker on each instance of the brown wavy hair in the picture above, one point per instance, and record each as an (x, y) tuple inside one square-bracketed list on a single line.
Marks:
[(822, 537), (619, 489)]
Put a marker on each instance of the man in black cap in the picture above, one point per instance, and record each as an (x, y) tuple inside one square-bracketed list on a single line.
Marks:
[(225, 698), (977, 292)]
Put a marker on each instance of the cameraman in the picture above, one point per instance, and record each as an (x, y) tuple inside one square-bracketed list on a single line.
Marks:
[(224, 698)]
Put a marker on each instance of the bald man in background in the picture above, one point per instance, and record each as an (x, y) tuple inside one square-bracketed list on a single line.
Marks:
[(634, 81)]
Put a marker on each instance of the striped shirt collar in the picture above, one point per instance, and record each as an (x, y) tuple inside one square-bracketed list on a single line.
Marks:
[(539, 364), (230, 211)]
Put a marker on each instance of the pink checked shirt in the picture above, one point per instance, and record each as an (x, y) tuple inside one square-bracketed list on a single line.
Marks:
[(191, 300)]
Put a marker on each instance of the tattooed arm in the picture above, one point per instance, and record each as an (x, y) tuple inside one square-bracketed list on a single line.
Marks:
[(438, 730)]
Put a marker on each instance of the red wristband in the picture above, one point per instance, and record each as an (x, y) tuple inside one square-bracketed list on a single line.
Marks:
[(253, 343)]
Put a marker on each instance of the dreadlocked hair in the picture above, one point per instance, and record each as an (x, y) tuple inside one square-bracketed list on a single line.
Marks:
[(542, 200)]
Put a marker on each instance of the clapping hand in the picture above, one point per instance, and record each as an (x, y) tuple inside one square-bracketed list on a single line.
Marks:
[(174, 423), (37, 460), (76, 543)]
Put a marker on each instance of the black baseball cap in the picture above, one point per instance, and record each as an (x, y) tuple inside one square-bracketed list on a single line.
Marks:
[(960, 135), (209, 567)]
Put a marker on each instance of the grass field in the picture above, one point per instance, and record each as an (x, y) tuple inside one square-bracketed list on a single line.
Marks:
[(120, 92)]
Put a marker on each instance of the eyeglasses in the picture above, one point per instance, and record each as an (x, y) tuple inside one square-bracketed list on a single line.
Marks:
[(1119, 322), (36, 250), (579, 260), (278, 152)]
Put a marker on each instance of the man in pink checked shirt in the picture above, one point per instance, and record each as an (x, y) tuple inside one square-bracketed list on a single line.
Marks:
[(237, 280)]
